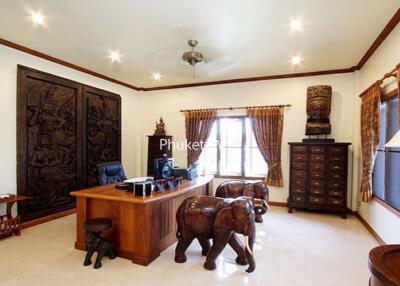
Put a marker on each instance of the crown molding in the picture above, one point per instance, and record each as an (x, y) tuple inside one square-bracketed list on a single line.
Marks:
[(248, 79), (394, 21), (38, 54)]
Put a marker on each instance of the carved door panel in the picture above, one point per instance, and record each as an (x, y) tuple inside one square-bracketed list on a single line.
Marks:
[(49, 142), (102, 138)]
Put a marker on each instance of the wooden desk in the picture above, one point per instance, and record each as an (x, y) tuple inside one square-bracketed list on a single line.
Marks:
[(142, 227)]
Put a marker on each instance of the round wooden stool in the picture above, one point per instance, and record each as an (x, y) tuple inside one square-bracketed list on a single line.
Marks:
[(94, 241)]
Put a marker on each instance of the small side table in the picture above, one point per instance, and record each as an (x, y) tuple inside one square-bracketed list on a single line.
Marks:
[(10, 225)]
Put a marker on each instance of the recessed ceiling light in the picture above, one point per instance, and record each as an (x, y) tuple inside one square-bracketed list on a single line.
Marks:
[(297, 25), (296, 60), (115, 56), (37, 18), (156, 76)]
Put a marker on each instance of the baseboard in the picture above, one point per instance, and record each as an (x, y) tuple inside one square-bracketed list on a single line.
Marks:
[(369, 228), (277, 204), (48, 218)]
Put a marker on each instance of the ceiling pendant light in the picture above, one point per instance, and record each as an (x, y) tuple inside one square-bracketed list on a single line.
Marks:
[(192, 57)]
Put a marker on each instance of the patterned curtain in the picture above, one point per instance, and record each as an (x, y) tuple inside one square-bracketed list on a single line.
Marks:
[(198, 128), (267, 125), (370, 119)]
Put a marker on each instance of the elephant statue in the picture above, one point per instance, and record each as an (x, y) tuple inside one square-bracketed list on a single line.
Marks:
[(219, 219), (103, 246), (257, 190)]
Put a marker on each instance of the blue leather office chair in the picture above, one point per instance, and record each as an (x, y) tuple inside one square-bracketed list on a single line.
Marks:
[(111, 172)]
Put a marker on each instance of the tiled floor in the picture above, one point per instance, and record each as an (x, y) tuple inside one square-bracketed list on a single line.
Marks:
[(292, 250)]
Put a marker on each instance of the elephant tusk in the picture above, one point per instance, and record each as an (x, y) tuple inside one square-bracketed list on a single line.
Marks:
[(246, 243)]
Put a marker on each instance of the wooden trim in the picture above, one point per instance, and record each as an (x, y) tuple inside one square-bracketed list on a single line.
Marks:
[(249, 79), (38, 54), (47, 218), (389, 94), (370, 229), (386, 206), (278, 204), (379, 40), (375, 45)]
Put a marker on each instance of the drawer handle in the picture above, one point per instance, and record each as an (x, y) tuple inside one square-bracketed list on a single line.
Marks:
[(298, 199), (298, 190), (317, 184), (316, 200)]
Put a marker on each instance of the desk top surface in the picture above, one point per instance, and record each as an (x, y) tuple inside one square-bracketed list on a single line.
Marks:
[(109, 192)]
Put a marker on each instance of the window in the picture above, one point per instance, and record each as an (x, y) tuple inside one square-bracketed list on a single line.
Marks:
[(231, 150), (385, 178)]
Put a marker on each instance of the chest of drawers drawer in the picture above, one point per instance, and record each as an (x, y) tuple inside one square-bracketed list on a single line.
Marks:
[(317, 158), (317, 175), (317, 166), (335, 193), (319, 200), (299, 149), (299, 166), (299, 158)]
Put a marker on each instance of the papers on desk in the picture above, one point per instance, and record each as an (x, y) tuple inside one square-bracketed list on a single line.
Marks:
[(138, 180), (4, 196)]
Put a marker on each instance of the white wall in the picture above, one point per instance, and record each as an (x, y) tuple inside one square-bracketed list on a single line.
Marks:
[(9, 59), (287, 91), (385, 223)]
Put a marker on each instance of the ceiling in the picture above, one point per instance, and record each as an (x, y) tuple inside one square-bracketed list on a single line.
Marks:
[(238, 38)]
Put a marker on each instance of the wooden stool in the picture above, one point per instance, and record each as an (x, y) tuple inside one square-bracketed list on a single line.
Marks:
[(10, 225), (94, 241)]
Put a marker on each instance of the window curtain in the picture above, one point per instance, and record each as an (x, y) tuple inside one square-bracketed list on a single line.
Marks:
[(198, 128), (267, 125), (370, 118)]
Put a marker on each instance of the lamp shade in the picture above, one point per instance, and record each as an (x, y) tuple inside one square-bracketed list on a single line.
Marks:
[(394, 141)]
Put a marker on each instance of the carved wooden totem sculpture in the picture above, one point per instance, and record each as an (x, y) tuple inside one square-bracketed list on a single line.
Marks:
[(319, 99)]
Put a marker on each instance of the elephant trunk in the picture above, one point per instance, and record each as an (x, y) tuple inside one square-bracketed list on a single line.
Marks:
[(249, 243)]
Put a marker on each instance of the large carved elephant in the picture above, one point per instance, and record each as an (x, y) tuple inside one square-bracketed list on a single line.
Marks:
[(257, 190), (219, 219)]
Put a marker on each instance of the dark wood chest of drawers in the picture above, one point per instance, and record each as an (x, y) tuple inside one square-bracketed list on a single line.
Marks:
[(318, 176)]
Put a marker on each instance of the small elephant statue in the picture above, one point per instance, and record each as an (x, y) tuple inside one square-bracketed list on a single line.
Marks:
[(103, 246), (257, 190), (205, 218)]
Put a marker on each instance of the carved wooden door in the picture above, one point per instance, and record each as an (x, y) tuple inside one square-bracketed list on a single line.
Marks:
[(102, 126), (49, 117)]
